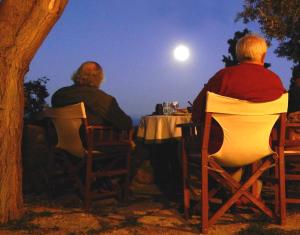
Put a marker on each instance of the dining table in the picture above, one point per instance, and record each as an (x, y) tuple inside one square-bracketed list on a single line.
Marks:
[(161, 135), (161, 128)]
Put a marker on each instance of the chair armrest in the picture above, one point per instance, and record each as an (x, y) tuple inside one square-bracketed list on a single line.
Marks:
[(104, 127), (103, 135), (111, 129)]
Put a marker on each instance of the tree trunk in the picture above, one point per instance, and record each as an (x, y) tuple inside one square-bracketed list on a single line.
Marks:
[(24, 24)]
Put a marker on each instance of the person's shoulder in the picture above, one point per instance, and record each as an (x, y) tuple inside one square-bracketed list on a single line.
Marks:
[(273, 74), (104, 94), (93, 91), (229, 69), (259, 68), (221, 72), (255, 68), (225, 73), (269, 75), (237, 68), (62, 89)]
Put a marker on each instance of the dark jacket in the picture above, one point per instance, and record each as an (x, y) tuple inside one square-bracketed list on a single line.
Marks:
[(101, 108)]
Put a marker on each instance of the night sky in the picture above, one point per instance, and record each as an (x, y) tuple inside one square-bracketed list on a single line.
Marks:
[(133, 40)]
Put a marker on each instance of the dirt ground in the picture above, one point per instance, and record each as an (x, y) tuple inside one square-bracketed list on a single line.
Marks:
[(147, 212)]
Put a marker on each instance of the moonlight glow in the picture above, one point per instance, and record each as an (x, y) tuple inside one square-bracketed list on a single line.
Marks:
[(181, 53)]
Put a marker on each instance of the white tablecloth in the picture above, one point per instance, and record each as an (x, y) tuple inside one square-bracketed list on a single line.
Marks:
[(160, 128)]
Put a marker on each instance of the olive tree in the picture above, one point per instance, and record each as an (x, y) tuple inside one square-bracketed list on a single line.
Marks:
[(24, 24), (278, 19)]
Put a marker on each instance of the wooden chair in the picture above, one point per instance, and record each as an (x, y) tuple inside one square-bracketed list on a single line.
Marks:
[(90, 154), (246, 127), (292, 156)]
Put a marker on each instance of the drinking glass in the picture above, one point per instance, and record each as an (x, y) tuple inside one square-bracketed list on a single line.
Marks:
[(167, 108), (175, 106)]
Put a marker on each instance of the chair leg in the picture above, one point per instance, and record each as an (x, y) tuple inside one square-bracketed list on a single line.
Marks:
[(87, 196), (126, 189), (255, 186), (88, 182), (127, 179), (276, 189), (240, 191), (186, 195), (282, 193), (204, 199), (186, 190)]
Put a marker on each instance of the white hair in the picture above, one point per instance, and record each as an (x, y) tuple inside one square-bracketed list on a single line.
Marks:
[(251, 47)]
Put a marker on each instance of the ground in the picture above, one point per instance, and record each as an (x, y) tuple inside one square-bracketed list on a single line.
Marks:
[(147, 212)]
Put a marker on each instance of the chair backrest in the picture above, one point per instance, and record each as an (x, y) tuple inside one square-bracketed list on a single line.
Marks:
[(246, 127), (67, 121)]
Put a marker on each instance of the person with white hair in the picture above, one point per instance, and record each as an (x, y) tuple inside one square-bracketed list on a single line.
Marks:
[(249, 80)]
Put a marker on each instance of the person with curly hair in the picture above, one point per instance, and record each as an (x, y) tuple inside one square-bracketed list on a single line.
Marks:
[(101, 107)]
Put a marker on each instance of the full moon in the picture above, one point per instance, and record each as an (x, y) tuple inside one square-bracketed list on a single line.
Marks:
[(181, 53)]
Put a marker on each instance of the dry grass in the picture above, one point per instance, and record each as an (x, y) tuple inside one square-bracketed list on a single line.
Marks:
[(147, 212)]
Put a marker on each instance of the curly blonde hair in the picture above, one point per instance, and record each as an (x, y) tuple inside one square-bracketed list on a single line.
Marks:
[(251, 47), (89, 73)]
